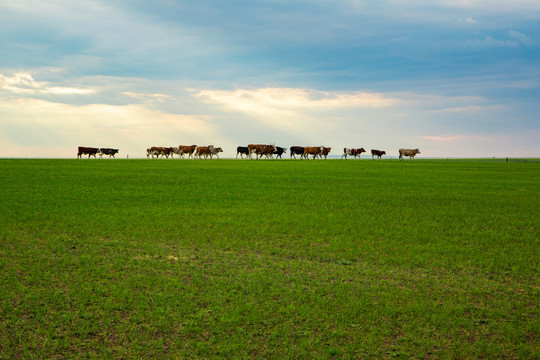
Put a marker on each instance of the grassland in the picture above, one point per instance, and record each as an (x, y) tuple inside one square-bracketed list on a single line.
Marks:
[(268, 259)]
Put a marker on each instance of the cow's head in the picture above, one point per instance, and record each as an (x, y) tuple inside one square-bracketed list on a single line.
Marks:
[(383, 153), (218, 150), (417, 151), (361, 150)]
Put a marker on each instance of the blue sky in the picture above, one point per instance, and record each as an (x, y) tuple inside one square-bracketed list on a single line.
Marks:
[(453, 78)]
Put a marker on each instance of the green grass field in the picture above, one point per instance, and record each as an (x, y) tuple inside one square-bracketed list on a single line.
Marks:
[(268, 259)]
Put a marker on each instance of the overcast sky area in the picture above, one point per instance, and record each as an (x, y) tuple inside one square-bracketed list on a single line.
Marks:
[(455, 78)]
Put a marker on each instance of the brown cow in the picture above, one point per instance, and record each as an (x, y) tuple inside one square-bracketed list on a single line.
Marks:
[(378, 153), (266, 151), (260, 150), (313, 150), (161, 150), (90, 151), (411, 153), (187, 149), (203, 151)]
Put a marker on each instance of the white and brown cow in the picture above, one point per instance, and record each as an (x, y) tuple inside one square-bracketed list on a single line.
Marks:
[(203, 151), (188, 150), (353, 152)]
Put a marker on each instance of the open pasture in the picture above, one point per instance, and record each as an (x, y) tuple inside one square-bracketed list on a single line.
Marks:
[(270, 259)]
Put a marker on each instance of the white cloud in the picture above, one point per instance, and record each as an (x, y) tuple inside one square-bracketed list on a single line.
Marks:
[(24, 83), (156, 97), (37, 124), (276, 99)]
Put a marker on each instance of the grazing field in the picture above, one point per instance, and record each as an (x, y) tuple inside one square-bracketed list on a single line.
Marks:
[(268, 259)]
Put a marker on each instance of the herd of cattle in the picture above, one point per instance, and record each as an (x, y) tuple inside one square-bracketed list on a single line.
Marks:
[(259, 150)]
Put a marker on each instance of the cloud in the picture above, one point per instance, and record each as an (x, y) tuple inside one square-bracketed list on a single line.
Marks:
[(514, 39), (24, 83), (464, 109), (36, 124), (161, 98), (276, 99), (508, 144), (445, 138), (520, 38)]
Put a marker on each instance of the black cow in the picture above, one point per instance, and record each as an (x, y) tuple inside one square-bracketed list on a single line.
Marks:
[(90, 151), (297, 150), (108, 151), (242, 150), (279, 151)]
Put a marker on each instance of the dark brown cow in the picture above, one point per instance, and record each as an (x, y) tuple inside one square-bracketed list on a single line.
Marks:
[(325, 152), (411, 153), (378, 153), (187, 149), (90, 151), (313, 150), (297, 150), (352, 152)]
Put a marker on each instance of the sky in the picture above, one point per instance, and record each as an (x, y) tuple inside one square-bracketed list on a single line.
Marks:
[(454, 78)]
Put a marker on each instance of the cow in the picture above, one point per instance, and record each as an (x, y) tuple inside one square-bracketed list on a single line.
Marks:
[(279, 151), (160, 150), (203, 151), (378, 153), (325, 152), (187, 149), (149, 152), (352, 152), (313, 150), (411, 153), (242, 150), (107, 151), (90, 151), (260, 150), (297, 150), (266, 151), (215, 151)]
